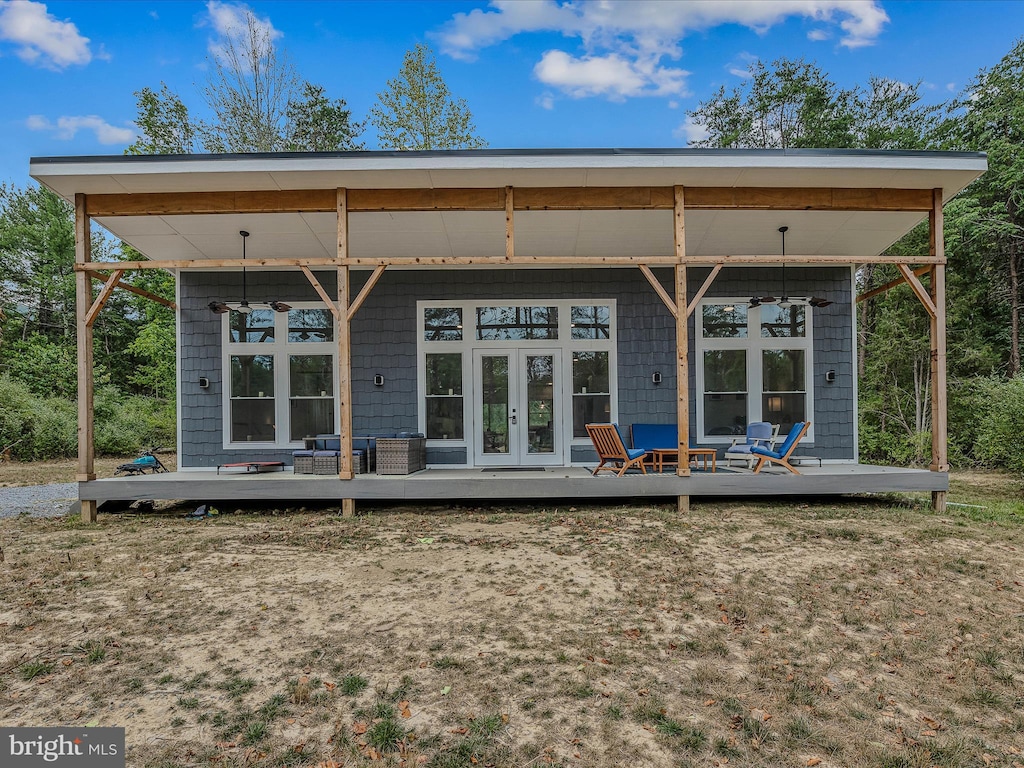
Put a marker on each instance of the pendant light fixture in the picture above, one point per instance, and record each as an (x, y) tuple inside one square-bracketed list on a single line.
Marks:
[(786, 301), (220, 307)]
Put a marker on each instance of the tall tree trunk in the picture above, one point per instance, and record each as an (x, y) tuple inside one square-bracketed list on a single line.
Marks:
[(1014, 368)]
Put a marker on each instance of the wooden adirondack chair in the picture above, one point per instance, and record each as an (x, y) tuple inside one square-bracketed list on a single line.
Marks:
[(781, 456), (612, 451)]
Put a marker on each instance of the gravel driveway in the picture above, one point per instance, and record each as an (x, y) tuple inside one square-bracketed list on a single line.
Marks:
[(38, 500)]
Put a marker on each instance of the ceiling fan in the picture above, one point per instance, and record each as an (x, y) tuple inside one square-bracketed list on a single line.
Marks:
[(786, 301), (243, 306)]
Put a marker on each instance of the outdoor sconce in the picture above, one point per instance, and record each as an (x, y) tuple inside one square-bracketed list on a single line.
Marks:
[(656, 377), (378, 380), (204, 383), (830, 376)]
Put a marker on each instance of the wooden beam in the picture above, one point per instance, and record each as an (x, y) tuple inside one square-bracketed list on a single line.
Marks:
[(919, 290), (667, 300), (105, 293), (136, 290), (940, 454), (510, 246), (891, 284), (703, 289), (320, 291), (371, 281), (250, 263), (345, 469), (682, 341), (499, 261), (83, 300), (527, 199)]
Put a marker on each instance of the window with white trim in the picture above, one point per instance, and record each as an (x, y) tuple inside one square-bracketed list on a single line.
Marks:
[(280, 375), (753, 364)]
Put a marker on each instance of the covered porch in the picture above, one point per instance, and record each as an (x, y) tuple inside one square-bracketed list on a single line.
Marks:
[(668, 216)]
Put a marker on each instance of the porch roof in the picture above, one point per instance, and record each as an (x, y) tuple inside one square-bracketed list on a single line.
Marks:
[(543, 233)]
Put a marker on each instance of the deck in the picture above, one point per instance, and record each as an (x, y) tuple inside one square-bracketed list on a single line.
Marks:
[(551, 482)]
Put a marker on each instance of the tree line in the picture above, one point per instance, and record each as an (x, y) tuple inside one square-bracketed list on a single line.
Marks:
[(259, 103)]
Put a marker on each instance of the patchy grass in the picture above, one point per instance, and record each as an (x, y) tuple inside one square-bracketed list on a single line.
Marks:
[(21, 473), (858, 632)]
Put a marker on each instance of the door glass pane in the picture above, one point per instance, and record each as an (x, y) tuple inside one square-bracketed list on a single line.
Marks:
[(591, 322), (777, 323), (494, 412), (516, 323), (725, 392), (444, 418), (442, 324), (251, 327), (724, 321), (310, 325), (540, 389)]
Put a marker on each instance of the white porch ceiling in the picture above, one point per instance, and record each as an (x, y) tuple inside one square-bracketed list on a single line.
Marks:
[(537, 233)]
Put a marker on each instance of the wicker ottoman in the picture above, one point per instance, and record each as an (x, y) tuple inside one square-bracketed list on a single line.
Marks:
[(401, 455)]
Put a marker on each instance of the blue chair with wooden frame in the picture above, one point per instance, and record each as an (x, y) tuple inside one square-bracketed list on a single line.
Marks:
[(612, 450), (781, 456)]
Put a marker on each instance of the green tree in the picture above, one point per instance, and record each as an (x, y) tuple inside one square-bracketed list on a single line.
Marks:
[(165, 127), (417, 111), (316, 123), (249, 91), (990, 117)]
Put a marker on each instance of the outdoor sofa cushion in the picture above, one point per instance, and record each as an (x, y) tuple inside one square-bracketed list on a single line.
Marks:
[(652, 436)]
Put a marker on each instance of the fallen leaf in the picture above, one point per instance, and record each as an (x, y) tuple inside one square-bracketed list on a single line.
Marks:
[(359, 728), (330, 686), (813, 760), (446, 690)]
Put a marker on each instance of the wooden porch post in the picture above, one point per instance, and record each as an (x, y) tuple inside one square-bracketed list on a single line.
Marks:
[(682, 349), (83, 301), (348, 505), (937, 248)]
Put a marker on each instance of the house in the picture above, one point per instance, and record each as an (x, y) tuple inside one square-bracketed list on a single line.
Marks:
[(498, 300)]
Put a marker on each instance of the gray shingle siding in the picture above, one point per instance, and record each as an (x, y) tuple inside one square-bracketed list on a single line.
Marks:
[(384, 337)]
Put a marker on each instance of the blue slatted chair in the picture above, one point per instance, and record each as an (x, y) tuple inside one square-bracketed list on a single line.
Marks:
[(781, 456)]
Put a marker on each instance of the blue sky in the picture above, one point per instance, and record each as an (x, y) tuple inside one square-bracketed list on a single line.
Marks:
[(535, 73)]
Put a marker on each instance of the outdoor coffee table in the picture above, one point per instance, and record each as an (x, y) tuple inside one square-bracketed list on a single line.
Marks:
[(663, 456)]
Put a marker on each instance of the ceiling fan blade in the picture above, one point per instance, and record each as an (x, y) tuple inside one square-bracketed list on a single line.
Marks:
[(280, 306), (768, 299), (218, 307), (815, 301)]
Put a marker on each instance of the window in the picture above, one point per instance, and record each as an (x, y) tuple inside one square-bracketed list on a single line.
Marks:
[(444, 408), (280, 375), (753, 365), (591, 390), (516, 323)]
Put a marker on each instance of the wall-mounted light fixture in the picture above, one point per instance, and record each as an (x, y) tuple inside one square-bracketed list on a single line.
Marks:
[(204, 383), (830, 376), (378, 380), (656, 377)]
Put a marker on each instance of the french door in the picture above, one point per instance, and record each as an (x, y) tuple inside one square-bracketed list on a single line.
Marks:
[(517, 413)]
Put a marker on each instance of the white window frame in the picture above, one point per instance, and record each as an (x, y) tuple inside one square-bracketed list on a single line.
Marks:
[(280, 349), (753, 345), (469, 343)]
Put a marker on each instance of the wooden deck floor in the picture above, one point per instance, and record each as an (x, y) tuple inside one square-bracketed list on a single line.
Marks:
[(552, 482)]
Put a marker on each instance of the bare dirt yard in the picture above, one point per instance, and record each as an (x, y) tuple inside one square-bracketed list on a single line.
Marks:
[(851, 632)]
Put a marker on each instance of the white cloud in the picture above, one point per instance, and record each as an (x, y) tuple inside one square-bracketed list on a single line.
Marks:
[(545, 101), (40, 38), (625, 41), (230, 21), (951, 87), (817, 35), (689, 132), (739, 72), (67, 127)]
